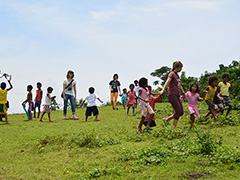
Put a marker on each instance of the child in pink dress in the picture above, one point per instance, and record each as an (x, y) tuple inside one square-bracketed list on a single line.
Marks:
[(192, 97), (131, 99)]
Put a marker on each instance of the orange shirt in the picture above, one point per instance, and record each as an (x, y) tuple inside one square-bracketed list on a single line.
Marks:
[(39, 95)]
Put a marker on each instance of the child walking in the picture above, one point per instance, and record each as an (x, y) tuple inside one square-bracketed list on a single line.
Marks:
[(144, 106), (225, 86), (136, 89), (131, 99), (192, 97), (211, 91), (3, 99), (29, 101), (91, 107), (174, 83), (46, 107), (114, 87), (38, 100), (124, 98)]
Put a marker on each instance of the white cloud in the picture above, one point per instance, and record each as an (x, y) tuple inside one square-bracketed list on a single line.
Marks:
[(185, 4)]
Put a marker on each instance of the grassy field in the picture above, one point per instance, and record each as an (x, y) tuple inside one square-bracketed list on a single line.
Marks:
[(111, 148)]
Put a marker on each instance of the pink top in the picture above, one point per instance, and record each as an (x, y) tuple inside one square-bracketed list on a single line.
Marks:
[(144, 95), (175, 84), (192, 100), (131, 97)]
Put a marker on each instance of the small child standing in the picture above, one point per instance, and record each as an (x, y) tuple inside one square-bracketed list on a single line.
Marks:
[(131, 96), (225, 86), (29, 101), (46, 107), (136, 89), (124, 98), (38, 99), (91, 107), (192, 97), (3, 99)]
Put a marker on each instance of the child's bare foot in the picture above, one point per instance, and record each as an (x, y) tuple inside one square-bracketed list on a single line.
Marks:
[(139, 131), (97, 119), (148, 128), (41, 120), (30, 119), (7, 122), (127, 114), (205, 117), (50, 121), (134, 114), (216, 119)]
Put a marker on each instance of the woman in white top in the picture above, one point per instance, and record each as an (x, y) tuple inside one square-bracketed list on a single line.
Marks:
[(69, 93)]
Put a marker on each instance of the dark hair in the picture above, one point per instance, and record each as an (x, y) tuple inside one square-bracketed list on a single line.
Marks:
[(49, 89), (69, 73), (91, 90), (176, 64), (115, 75), (124, 89), (225, 75), (39, 84), (149, 87), (212, 79), (3, 85), (142, 82), (30, 87), (197, 90), (131, 85), (136, 81)]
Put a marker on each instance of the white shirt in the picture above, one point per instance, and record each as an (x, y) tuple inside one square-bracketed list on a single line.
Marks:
[(91, 100), (69, 90), (136, 89), (47, 100)]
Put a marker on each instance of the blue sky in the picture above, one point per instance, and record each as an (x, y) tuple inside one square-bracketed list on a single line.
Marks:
[(42, 40)]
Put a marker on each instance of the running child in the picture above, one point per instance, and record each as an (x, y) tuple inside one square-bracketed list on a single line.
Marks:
[(225, 86), (29, 101), (144, 106), (152, 101), (211, 91), (3, 99), (174, 89), (131, 99), (38, 100), (136, 89), (124, 98), (46, 107), (192, 97), (91, 107)]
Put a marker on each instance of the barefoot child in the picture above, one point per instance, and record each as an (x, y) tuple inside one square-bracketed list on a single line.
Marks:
[(91, 107), (192, 97), (38, 99), (29, 101), (174, 83), (124, 98), (46, 107), (211, 91), (225, 86), (131, 99), (144, 106), (3, 99), (136, 89), (152, 101)]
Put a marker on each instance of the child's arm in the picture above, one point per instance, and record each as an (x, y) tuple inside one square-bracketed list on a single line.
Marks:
[(153, 93), (100, 100), (169, 79), (206, 90), (82, 103), (140, 97), (182, 90), (75, 92), (230, 88), (200, 98), (50, 96), (119, 90), (219, 96), (28, 99), (11, 86)]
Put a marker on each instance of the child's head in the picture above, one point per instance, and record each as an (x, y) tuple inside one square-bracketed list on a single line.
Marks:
[(131, 86), (91, 90), (225, 77), (177, 66), (143, 82), (150, 88), (3, 85), (124, 91), (115, 76), (39, 85), (49, 89), (194, 87), (212, 81), (70, 74), (29, 88), (136, 82)]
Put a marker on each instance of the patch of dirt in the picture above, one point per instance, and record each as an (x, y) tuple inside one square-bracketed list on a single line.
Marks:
[(198, 175)]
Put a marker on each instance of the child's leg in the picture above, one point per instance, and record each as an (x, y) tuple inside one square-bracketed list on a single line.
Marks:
[(6, 119), (49, 117), (133, 111), (86, 118), (192, 117), (34, 112), (42, 117), (149, 122), (175, 123), (96, 119), (112, 94), (206, 115), (39, 111), (213, 114), (30, 113), (115, 99), (140, 125), (229, 109), (128, 110)]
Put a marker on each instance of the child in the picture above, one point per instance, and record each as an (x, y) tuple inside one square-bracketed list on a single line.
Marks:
[(124, 98), (91, 107), (225, 86), (192, 97), (46, 107), (144, 106), (211, 91), (152, 101), (131, 96), (174, 83), (136, 89), (114, 86), (3, 99), (38, 99), (29, 100)]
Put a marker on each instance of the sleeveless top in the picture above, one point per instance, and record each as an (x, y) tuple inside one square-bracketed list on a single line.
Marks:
[(39, 95)]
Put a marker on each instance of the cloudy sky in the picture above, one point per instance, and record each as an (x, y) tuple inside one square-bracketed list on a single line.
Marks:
[(42, 40)]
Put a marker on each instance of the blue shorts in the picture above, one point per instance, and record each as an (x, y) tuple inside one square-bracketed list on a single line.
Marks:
[(37, 103)]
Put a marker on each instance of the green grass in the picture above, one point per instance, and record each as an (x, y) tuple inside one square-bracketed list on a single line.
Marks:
[(111, 148)]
